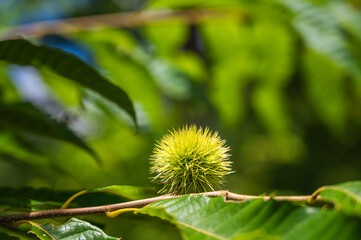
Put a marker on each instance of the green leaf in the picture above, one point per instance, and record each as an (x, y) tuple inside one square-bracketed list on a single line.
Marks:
[(345, 196), (200, 217), (24, 117), (72, 230), (9, 233), (4, 236), (23, 52)]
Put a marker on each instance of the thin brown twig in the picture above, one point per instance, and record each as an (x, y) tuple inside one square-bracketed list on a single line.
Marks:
[(228, 196), (128, 20)]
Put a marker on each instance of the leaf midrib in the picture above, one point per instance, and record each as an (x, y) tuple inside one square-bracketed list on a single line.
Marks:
[(202, 231)]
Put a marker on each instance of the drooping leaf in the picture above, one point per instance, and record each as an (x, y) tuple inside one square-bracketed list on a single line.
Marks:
[(200, 217), (23, 52), (72, 230), (25, 117), (345, 196)]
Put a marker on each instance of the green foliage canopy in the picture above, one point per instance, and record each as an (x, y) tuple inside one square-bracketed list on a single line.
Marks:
[(280, 80)]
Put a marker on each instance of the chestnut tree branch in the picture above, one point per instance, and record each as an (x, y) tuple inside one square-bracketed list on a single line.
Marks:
[(72, 212), (126, 20)]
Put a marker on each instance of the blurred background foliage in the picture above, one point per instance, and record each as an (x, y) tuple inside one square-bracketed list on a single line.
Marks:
[(280, 80)]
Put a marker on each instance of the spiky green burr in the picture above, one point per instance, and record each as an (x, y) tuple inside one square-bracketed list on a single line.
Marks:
[(190, 160)]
